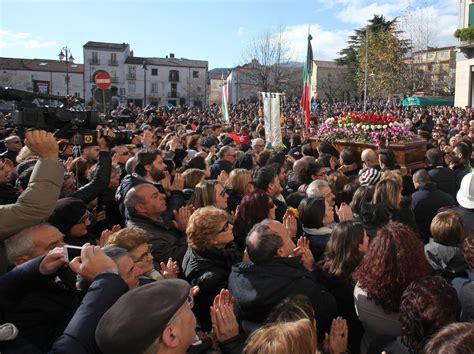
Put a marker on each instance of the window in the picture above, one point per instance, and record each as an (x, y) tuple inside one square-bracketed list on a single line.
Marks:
[(174, 75), (131, 86), (77, 94), (122, 91), (154, 72), (154, 87), (198, 89), (132, 73), (95, 58), (195, 74), (113, 59), (471, 15)]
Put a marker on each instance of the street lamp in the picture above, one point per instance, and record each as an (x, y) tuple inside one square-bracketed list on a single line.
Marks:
[(366, 66), (69, 58), (144, 83)]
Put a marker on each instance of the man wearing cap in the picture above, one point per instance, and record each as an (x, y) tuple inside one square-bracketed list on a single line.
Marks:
[(13, 145), (155, 318), (465, 198)]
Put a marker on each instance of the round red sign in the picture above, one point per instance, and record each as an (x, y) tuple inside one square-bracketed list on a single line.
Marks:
[(103, 80)]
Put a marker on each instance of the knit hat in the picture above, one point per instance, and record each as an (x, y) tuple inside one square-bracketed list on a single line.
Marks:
[(465, 196), (67, 213), (140, 316), (369, 176)]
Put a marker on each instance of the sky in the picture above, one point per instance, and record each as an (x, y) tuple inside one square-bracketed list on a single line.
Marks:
[(219, 31)]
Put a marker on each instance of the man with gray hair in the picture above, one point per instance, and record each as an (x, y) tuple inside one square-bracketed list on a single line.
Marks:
[(277, 270), (226, 158), (426, 201), (32, 242), (258, 145), (320, 188)]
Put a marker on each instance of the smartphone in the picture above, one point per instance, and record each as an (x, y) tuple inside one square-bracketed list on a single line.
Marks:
[(71, 252)]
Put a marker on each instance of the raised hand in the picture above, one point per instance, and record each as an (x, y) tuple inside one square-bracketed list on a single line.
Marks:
[(344, 212), (337, 339), (182, 217), (178, 183), (42, 144), (105, 235), (302, 249), (224, 322), (290, 223), (53, 261), (169, 270), (92, 263), (223, 176)]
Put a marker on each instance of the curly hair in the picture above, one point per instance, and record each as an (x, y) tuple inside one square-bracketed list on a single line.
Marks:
[(128, 238), (395, 258), (456, 338), (426, 306), (203, 226), (253, 208)]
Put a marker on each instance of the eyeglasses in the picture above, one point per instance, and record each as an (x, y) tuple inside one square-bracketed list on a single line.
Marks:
[(15, 142), (86, 217), (225, 227), (223, 193), (142, 257)]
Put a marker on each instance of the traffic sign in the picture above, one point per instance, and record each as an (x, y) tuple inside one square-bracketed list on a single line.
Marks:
[(103, 80)]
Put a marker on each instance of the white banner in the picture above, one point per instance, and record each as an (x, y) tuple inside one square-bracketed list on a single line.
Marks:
[(271, 115)]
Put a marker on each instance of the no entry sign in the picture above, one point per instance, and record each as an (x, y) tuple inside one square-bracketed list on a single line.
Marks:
[(102, 80)]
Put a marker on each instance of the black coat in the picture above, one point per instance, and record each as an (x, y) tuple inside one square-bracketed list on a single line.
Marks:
[(259, 288), (40, 307), (426, 202), (209, 270), (234, 200), (444, 178), (218, 166)]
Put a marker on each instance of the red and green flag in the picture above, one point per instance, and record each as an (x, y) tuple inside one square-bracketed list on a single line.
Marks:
[(306, 95)]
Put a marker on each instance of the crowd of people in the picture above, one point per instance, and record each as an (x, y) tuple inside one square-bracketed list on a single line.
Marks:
[(197, 236)]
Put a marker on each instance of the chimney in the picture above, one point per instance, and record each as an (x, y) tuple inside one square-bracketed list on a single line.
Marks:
[(171, 55), (131, 53)]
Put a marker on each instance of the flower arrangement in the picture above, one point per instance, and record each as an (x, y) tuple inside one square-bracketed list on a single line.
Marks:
[(364, 127)]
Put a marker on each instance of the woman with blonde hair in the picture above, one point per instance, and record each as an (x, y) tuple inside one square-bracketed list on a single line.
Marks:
[(388, 192), (209, 193), (237, 185), (209, 258), (192, 177)]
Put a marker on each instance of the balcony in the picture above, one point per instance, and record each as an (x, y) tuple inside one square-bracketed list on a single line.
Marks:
[(94, 61), (131, 76), (173, 94), (113, 63), (174, 76)]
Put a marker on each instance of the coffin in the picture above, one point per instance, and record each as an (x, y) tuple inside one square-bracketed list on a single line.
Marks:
[(409, 154)]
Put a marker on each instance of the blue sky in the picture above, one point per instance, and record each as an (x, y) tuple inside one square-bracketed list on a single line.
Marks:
[(215, 30)]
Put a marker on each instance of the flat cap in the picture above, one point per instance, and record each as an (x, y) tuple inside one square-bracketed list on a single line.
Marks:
[(139, 317)]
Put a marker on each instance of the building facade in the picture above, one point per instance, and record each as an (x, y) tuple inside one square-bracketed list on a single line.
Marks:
[(217, 77), (328, 81), (42, 76), (464, 94), (434, 71), (144, 81)]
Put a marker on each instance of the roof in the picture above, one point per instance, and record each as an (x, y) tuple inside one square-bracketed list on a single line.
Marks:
[(220, 71), (39, 65), (108, 46), (431, 49), (179, 62), (327, 64)]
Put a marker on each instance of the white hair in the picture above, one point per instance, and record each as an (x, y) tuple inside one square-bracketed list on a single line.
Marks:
[(21, 244), (314, 188), (257, 140)]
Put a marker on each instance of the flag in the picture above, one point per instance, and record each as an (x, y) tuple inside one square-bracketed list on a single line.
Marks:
[(306, 94), (225, 98)]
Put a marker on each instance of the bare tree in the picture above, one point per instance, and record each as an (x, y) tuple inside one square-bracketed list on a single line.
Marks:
[(265, 60), (418, 27)]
